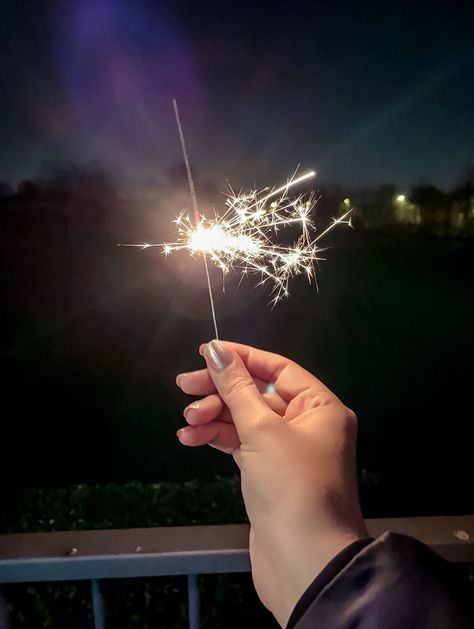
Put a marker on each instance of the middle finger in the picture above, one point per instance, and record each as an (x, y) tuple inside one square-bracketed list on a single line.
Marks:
[(208, 409)]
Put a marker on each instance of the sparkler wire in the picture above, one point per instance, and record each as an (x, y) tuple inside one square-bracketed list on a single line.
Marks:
[(197, 216)]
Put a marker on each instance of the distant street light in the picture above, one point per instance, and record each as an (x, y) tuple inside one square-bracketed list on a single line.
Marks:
[(401, 198)]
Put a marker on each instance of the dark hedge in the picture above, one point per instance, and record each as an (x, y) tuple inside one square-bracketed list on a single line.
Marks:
[(227, 600)]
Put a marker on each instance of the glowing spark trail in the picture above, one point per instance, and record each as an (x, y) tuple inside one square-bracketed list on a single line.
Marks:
[(241, 239)]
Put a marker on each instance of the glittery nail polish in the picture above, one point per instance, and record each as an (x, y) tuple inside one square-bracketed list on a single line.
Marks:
[(218, 355)]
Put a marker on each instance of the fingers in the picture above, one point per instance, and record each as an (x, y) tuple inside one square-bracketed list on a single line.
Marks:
[(288, 378), (293, 380), (263, 366), (237, 388), (206, 410), (196, 382), (220, 435), (260, 364), (275, 378), (200, 383)]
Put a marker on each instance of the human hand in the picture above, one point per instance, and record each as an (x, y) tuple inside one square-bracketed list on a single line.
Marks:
[(294, 442)]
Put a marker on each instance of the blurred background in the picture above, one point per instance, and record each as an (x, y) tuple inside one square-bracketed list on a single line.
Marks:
[(378, 97)]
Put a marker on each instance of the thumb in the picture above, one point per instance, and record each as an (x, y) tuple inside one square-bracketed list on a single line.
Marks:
[(236, 387)]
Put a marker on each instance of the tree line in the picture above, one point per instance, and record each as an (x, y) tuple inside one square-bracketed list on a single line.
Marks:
[(91, 197), (424, 208)]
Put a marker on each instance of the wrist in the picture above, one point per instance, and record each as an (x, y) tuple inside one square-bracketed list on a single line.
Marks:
[(298, 553)]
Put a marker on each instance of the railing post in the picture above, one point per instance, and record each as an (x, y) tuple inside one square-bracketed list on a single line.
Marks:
[(194, 601), (97, 605), (4, 613)]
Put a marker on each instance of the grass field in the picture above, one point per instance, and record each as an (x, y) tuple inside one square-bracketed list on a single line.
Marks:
[(94, 336)]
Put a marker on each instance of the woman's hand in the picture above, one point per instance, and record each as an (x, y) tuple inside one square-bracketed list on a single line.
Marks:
[(294, 442)]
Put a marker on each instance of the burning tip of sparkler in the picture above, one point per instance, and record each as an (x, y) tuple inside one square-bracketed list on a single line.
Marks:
[(240, 239)]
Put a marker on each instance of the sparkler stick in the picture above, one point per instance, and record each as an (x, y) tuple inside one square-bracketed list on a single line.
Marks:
[(192, 188), (197, 216)]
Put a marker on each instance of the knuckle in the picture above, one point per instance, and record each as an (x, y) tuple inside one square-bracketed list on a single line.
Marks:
[(351, 417), (319, 398), (350, 421), (239, 385), (260, 424)]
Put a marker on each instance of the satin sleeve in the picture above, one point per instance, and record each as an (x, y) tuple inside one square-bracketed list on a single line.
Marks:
[(392, 582)]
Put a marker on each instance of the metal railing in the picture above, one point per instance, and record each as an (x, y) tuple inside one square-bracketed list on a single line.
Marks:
[(187, 550)]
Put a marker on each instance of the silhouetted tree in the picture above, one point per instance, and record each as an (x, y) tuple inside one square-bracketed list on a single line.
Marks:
[(463, 203), (29, 191), (329, 201), (6, 190), (374, 208), (87, 192), (435, 208)]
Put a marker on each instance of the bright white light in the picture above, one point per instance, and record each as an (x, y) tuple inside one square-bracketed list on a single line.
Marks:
[(241, 238)]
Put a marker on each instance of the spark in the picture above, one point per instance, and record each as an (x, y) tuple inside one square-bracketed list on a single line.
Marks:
[(242, 239)]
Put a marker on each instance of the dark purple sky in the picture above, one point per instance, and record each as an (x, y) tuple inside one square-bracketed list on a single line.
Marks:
[(364, 92)]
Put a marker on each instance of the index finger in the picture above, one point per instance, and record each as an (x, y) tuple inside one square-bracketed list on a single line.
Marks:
[(260, 363), (288, 377)]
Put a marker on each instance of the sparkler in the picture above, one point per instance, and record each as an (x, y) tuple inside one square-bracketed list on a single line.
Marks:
[(241, 239)]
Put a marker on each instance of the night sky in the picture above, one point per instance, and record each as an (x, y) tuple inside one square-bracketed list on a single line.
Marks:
[(365, 92)]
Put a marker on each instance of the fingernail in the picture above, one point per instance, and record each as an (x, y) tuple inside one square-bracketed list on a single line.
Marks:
[(182, 433), (194, 405), (179, 379), (218, 355)]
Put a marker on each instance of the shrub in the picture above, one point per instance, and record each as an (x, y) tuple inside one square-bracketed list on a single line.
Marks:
[(227, 600)]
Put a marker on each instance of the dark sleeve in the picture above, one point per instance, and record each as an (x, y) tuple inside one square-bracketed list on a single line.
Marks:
[(393, 582)]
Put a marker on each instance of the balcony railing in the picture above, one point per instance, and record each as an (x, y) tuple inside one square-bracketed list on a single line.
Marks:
[(187, 550)]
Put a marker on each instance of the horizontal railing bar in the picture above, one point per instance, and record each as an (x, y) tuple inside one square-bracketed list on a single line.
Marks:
[(122, 566), (451, 536), (125, 541), (121, 553)]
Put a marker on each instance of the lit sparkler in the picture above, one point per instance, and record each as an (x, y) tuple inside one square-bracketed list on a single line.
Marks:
[(242, 238)]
